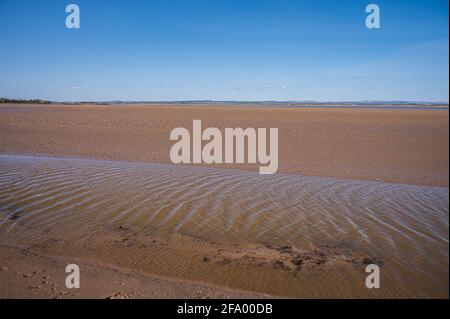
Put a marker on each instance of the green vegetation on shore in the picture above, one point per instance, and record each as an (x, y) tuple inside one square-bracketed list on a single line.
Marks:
[(17, 101)]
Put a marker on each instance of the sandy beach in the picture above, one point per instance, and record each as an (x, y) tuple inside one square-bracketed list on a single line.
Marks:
[(398, 146), (94, 184)]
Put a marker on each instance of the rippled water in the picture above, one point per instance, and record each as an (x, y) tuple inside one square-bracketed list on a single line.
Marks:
[(69, 200)]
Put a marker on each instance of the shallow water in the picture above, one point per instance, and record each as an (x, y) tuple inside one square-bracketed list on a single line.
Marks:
[(69, 201)]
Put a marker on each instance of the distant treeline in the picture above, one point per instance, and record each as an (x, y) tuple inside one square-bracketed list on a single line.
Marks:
[(386, 104), (17, 101)]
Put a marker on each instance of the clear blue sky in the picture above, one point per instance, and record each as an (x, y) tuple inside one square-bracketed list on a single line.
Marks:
[(224, 50)]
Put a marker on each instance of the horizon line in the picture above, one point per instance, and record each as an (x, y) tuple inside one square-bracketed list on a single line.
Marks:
[(204, 101)]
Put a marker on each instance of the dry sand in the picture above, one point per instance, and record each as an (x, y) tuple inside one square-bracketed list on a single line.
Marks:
[(399, 146)]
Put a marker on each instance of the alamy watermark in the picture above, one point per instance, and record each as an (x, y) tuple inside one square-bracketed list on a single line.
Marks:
[(73, 19), (373, 20), (228, 149), (73, 279), (373, 279)]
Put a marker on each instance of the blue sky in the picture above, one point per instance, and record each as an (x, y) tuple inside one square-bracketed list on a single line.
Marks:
[(224, 50)]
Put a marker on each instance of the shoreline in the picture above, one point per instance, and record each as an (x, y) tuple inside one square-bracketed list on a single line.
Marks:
[(262, 104)]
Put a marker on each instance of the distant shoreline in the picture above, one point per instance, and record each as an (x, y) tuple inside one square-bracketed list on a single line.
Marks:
[(291, 104)]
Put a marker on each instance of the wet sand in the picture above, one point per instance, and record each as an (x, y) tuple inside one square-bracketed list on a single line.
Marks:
[(284, 235), (399, 146)]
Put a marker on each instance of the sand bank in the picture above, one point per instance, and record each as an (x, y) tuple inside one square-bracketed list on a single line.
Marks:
[(399, 146)]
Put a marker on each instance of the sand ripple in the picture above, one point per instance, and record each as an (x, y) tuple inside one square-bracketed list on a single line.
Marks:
[(404, 226)]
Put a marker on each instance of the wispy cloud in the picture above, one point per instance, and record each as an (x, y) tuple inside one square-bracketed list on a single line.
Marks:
[(76, 87), (271, 87)]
